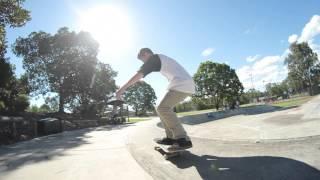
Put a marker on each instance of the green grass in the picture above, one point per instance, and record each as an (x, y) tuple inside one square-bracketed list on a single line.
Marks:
[(292, 102), (206, 111), (296, 101), (248, 105), (138, 119), (195, 112)]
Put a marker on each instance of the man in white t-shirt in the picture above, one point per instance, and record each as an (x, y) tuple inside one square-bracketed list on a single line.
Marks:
[(181, 85)]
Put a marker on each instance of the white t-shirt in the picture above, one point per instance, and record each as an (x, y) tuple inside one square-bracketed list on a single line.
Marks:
[(179, 79)]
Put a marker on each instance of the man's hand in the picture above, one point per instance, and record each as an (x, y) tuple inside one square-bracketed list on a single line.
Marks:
[(132, 81)]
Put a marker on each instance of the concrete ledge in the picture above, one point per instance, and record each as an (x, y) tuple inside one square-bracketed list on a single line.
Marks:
[(206, 117)]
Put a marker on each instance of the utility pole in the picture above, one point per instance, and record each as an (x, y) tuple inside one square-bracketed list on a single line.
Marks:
[(265, 90), (251, 80), (310, 82)]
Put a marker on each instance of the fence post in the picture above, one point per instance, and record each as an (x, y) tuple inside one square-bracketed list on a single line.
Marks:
[(14, 130), (35, 128)]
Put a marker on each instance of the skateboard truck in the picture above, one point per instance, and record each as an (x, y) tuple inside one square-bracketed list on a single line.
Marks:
[(167, 154)]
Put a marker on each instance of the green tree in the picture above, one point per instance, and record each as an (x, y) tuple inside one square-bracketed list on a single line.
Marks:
[(274, 89), (11, 15), (65, 63), (53, 103), (201, 103), (45, 108), (20, 103), (141, 97), (277, 89), (33, 108), (14, 95), (303, 66), (185, 106), (91, 100), (251, 95), (6, 72), (217, 82)]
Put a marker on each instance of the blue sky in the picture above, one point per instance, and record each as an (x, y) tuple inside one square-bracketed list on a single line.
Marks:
[(250, 36)]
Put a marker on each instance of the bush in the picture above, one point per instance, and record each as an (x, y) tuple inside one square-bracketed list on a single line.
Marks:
[(2, 106), (87, 110), (33, 108), (45, 108), (185, 106), (21, 103), (202, 103)]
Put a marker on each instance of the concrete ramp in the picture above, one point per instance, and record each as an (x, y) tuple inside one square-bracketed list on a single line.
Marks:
[(226, 160), (276, 124), (311, 109), (211, 116)]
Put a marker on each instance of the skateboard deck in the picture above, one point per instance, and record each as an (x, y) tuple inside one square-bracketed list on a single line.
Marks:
[(163, 150)]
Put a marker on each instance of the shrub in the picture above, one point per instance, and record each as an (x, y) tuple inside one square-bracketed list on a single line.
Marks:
[(21, 103)]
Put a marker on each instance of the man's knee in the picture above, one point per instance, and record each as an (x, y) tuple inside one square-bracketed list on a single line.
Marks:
[(161, 109)]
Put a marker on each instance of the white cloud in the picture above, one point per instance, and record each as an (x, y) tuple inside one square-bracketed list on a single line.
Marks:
[(265, 62), (315, 48), (252, 58), (311, 29), (265, 70), (293, 38), (270, 69), (207, 52)]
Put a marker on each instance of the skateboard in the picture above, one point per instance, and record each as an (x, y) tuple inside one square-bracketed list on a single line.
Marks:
[(163, 150)]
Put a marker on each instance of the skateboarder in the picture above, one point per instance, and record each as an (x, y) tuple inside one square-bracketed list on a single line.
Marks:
[(181, 85)]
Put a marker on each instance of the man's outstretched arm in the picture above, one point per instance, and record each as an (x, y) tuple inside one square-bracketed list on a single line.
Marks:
[(131, 82)]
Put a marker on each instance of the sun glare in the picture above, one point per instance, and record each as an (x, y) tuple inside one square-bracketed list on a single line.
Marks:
[(110, 26)]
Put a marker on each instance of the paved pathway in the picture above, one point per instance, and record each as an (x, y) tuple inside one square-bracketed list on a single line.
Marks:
[(95, 153)]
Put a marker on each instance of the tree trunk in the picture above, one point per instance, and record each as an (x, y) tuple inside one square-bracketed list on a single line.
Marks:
[(310, 91), (61, 103), (217, 104)]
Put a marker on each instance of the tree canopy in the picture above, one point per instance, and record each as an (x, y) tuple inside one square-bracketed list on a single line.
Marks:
[(303, 66), (12, 97), (65, 63), (141, 97), (217, 82), (12, 15)]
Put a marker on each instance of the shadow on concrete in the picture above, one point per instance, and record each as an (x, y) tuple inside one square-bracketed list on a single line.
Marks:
[(247, 168), (47, 147), (252, 110)]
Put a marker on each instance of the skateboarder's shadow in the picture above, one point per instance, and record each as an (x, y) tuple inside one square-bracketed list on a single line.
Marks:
[(247, 168)]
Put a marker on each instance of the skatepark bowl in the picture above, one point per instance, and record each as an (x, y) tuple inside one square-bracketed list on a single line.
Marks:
[(264, 143)]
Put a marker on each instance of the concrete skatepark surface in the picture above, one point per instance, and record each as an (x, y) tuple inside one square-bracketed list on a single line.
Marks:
[(283, 144), (275, 125), (94, 153)]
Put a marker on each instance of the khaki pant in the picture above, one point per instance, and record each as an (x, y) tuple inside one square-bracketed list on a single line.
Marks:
[(170, 121)]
